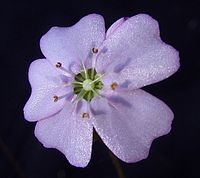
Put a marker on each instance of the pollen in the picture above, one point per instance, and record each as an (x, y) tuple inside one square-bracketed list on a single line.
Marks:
[(85, 114), (114, 85), (55, 98), (95, 50), (58, 64)]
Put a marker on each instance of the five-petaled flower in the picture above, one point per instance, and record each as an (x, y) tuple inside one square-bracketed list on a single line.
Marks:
[(90, 79)]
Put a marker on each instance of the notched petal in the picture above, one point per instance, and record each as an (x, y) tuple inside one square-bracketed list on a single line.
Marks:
[(69, 44), (115, 26), (68, 132), (45, 82), (129, 122)]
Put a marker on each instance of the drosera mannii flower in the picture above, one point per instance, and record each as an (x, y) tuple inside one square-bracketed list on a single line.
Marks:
[(90, 79)]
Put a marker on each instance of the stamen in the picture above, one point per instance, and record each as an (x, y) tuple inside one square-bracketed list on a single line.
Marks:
[(95, 50), (95, 57), (56, 98), (85, 71), (78, 83), (85, 114), (59, 65), (113, 86), (93, 67)]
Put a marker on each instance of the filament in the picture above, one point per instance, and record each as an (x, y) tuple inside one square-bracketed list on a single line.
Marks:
[(85, 71), (59, 66)]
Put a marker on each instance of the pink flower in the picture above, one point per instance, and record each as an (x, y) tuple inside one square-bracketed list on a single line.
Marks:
[(90, 79)]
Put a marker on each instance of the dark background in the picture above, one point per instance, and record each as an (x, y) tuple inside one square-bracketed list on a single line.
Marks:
[(176, 155)]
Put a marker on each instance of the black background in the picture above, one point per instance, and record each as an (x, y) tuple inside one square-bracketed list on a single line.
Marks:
[(176, 155)]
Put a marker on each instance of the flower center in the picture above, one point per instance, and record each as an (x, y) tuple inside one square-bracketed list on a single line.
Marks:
[(87, 84)]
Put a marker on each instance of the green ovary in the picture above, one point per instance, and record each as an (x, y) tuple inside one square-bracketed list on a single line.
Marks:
[(87, 84)]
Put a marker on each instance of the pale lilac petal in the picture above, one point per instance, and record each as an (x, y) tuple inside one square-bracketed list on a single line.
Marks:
[(128, 123), (136, 47), (151, 67), (114, 26), (130, 40), (68, 132), (75, 43), (45, 83)]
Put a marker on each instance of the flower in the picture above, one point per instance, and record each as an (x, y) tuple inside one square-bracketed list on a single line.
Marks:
[(90, 79)]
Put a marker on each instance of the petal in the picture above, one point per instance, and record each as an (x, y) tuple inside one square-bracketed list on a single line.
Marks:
[(136, 51), (152, 67), (45, 83), (129, 122), (114, 26), (68, 132), (69, 44)]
